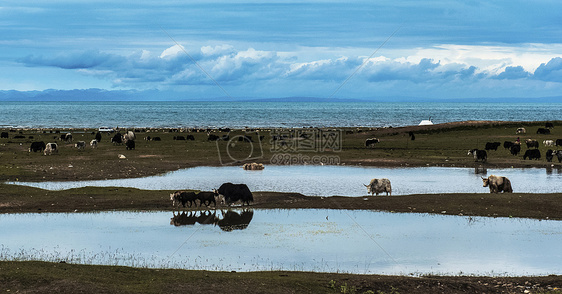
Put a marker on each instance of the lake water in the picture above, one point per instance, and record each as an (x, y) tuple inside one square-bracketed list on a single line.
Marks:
[(362, 242), (316, 180), (261, 114)]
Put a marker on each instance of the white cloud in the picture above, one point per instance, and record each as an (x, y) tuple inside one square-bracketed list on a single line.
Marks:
[(430, 71), (217, 50), (490, 59), (172, 52)]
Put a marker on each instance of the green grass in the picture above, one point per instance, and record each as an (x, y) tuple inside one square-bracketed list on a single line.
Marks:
[(44, 277), (443, 145)]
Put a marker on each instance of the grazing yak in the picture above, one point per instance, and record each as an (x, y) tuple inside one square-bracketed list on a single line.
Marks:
[(67, 137), (80, 145), (211, 137), (521, 131), (549, 155), (532, 154), (558, 142), (478, 154), (234, 192), (548, 143), (492, 146), (51, 148), (543, 131), (549, 125), (507, 144), (129, 136), (515, 149), (371, 142), (37, 146), (94, 143), (98, 137), (377, 186), (183, 197), (130, 144), (4, 135), (532, 143), (497, 184), (117, 139), (253, 166)]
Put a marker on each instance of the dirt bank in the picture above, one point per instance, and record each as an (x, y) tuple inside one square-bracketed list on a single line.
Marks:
[(18, 199)]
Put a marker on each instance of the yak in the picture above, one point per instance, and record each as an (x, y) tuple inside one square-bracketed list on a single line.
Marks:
[(549, 155), (515, 149), (532, 154), (478, 154), (497, 184), (117, 139), (532, 143), (207, 197), (234, 192), (50, 148), (130, 144), (371, 142), (492, 146), (37, 146), (377, 186), (183, 197)]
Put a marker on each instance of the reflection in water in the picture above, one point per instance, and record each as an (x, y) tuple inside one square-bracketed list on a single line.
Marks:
[(321, 240), (550, 170), (480, 170), (231, 220)]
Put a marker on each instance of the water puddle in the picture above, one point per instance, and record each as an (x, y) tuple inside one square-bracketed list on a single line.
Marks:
[(314, 180), (361, 242)]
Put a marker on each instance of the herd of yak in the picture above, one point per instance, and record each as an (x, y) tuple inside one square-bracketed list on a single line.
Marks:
[(514, 148)]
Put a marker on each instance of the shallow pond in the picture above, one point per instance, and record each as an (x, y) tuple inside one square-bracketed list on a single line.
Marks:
[(315, 180), (363, 242)]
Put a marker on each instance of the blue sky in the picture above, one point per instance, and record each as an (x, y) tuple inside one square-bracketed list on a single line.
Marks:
[(269, 49)]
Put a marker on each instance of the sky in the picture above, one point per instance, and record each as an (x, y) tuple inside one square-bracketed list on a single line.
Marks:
[(270, 49)]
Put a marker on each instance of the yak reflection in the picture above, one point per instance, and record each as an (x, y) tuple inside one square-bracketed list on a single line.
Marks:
[(228, 221), (233, 220)]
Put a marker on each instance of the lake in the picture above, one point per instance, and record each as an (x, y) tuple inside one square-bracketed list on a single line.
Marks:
[(39, 114), (316, 180), (319, 240)]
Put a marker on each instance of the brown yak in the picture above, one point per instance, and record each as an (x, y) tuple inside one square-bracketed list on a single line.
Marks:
[(497, 184)]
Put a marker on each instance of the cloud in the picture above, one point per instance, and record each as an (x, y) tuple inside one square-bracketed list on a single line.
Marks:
[(75, 60), (551, 71), (514, 72), (272, 73), (172, 51)]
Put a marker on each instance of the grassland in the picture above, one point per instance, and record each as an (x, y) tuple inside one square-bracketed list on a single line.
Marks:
[(438, 145), (41, 277)]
